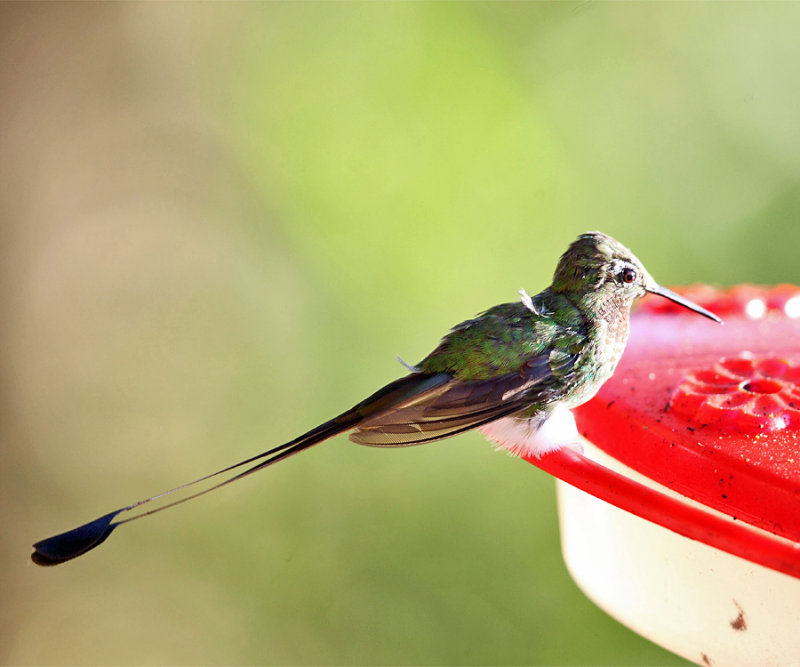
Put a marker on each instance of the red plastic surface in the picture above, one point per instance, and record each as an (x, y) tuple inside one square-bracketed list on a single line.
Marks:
[(754, 301), (712, 411), (736, 538), (745, 393)]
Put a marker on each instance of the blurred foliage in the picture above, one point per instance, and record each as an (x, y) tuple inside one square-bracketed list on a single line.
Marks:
[(222, 221)]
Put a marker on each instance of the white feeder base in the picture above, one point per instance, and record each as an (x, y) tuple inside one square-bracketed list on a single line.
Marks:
[(706, 605)]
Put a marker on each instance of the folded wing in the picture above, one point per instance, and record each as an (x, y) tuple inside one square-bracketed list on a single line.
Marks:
[(446, 406)]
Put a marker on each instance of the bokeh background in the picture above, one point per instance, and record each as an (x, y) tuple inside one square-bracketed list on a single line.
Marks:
[(221, 222)]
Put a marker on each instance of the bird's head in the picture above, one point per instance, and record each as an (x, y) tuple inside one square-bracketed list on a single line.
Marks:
[(600, 272)]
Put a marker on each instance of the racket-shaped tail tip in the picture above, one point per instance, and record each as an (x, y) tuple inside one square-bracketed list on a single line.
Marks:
[(76, 542), (65, 546)]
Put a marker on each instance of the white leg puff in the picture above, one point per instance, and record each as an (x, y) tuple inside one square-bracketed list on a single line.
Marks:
[(531, 437)]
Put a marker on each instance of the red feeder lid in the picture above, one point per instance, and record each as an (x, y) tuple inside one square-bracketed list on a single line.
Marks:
[(712, 412)]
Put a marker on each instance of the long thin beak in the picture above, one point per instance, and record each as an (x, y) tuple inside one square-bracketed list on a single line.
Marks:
[(677, 298)]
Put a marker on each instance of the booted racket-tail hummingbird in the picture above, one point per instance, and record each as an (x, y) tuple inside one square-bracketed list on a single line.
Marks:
[(505, 372)]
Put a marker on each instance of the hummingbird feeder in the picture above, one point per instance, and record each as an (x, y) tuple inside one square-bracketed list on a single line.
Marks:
[(682, 518)]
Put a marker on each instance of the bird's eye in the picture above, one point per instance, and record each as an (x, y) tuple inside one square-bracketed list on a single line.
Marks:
[(628, 276)]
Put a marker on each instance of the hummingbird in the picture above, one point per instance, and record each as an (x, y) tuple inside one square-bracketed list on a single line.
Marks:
[(508, 372)]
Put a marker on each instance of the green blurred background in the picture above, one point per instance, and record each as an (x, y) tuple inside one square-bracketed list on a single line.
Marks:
[(220, 224)]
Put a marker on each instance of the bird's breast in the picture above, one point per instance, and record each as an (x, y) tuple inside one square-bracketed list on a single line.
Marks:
[(604, 350)]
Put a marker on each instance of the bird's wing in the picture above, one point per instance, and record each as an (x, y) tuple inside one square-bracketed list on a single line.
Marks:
[(448, 406)]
